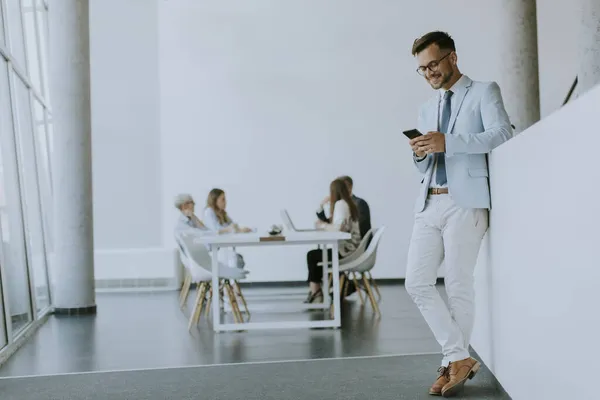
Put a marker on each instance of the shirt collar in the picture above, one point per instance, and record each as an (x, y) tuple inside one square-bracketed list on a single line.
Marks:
[(461, 83)]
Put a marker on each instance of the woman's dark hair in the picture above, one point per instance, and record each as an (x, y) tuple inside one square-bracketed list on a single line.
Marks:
[(338, 190), (442, 39)]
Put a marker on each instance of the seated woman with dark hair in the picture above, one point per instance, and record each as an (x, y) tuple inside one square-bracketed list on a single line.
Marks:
[(345, 219)]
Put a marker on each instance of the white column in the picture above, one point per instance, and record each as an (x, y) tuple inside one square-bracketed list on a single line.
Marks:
[(589, 46), (518, 51), (69, 58)]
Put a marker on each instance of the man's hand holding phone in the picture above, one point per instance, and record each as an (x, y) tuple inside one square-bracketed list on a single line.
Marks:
[(432, 142)]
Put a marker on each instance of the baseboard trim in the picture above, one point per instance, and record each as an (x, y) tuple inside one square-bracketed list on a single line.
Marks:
[(107, 285), (90, 310)]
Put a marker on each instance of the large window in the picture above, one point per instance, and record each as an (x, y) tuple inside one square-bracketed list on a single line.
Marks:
[(15, 273), (1, 24), (25, 169), (14, 20), (30, 189)]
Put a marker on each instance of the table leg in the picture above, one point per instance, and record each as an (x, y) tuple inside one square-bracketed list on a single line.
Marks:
[(335, 269), (215, 286), (325, 284)]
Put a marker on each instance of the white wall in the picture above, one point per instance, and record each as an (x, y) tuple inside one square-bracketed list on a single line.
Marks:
[(537, 297), (126, 139), (174, 80), (125, 123), (271, 100)]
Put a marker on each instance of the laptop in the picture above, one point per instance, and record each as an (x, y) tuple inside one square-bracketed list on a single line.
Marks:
[(287, 221)]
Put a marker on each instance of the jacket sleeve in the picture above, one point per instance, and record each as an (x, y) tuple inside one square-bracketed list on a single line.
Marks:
[(364, 217), (321, 215), (497, 128), (422, 164)]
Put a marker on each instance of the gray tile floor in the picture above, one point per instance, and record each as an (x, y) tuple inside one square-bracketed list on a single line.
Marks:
[(148, 330)]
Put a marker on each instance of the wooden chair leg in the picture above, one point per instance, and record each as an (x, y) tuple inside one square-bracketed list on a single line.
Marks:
[(226, 291), (347, 287), (374, 285), (240, 295), (209, 300), (237, 314), (357, 288), (195, 317), (343, 291), (221, 295), (185, 289), (371, 297)]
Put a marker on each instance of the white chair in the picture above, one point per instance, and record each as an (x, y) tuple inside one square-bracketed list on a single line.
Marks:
[(363, 264), (353, 256), (357, 253), (196, 260)]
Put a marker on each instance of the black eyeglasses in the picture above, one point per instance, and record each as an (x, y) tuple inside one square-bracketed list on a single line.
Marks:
[(432, 66)]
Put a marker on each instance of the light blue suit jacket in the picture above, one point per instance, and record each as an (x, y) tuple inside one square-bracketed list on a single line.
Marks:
[(478, 124)]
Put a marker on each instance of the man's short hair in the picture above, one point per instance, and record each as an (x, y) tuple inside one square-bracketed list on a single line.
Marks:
[(442, 39), (346, 180), (181, 199)]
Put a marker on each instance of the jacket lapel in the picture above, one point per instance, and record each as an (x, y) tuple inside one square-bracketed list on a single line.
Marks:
[(460, 97)]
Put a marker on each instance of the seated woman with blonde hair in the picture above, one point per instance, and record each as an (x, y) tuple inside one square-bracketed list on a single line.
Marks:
[(216, 216), (344, 218), (217, 219)]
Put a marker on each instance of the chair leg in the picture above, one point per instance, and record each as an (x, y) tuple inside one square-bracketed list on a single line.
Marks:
[(209, 300), (371, 297), (347, 286), (221, 295), (357, 288), (185, 290), (237, 314), (374, 284), (240, 295), (343, 291), (195, 317)]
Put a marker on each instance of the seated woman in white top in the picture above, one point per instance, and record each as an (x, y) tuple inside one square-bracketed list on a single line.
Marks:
[(216, 216), (345, 219), (217, 219)]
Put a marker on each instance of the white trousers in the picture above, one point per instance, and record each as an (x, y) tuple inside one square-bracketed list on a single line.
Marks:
[(445, 232)]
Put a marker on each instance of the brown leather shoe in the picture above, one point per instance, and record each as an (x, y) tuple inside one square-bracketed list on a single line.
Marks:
[(460, 371), (442, 380)]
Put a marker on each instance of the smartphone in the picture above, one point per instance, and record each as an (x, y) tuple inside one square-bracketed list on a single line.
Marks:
[(413, 133)]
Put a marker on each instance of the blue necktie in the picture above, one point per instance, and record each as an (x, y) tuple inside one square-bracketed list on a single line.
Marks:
[(440, 176)]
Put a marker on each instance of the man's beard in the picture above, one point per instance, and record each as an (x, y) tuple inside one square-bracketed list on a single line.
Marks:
[(444, 80)]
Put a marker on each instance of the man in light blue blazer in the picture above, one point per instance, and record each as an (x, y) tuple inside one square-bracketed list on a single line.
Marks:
[(461, 124)]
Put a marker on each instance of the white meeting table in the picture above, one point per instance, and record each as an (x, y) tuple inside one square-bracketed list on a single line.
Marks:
[(324, 238)]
